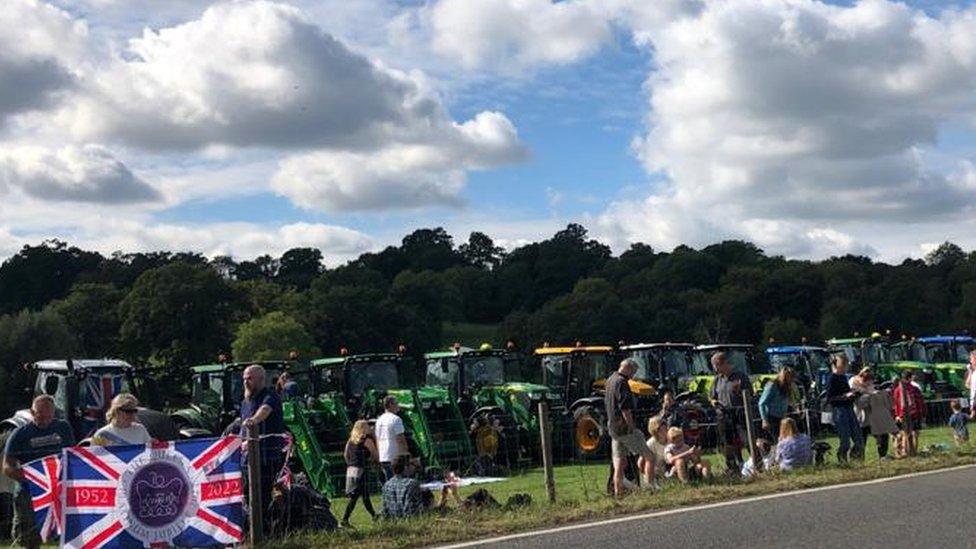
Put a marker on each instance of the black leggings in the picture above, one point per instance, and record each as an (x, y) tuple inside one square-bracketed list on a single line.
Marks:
[(360, 491), (881, 439)]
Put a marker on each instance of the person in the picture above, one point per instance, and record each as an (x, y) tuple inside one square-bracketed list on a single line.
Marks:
[(261, 416), (971, 380), (775, 401), (391, 440), (909, 405), (657, 441), (685, 461), (841, 399), (122, 428), (360, 449), (286, 386), (43, 436), (765, 451), (728, 387), (794, 449), (959, 421), (403, 496), (873, 410), (625, 437)]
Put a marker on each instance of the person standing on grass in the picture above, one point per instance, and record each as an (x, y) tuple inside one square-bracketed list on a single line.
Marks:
[(262, 417), (45, 435), (971, 380), (625, 437), (873, 409), (959, 421), (909, 406), (726, 395), (391, 440), (841, 399), (775, 403), (360, 450)]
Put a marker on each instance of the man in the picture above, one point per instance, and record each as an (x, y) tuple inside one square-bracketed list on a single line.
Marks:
[(726, 395), (391, 442), (402, 495), (625, 437), (42, 437), (261, 416), (971, 380)]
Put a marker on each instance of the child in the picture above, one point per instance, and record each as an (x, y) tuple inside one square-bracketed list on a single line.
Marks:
[(685, 461), (959, 421), (766, 452)]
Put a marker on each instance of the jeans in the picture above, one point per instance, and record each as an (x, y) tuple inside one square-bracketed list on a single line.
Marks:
[(848, 429), (25, 531)]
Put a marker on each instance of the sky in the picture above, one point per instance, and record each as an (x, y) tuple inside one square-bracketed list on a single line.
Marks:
[(248, 127)]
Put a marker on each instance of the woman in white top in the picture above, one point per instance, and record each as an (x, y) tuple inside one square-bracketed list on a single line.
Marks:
[(122, 428)]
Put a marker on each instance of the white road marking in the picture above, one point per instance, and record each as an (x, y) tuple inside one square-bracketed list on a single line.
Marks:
[(654, 514)]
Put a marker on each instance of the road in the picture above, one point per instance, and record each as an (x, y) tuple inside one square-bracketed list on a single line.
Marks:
[(938, 507)]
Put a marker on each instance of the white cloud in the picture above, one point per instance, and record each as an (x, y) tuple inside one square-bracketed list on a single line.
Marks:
[(510, 35), (38, 46), (801, 125), (399, 176), (72, 174)]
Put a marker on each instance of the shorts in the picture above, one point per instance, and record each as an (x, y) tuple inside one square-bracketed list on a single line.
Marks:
[(632, 443)]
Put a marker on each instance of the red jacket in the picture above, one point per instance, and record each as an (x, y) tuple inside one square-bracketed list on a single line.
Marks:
[(916, 402)]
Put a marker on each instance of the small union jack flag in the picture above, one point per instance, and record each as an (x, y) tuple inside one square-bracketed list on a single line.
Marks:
[(99, 392), (185, 493), (43, 479)]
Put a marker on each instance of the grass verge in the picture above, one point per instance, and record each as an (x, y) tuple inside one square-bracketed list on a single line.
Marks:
[(575, 505)]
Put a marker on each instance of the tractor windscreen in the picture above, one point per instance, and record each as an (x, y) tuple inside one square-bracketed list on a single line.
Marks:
[(208, 389), (442, 372), (484, 370), (961, 352), (381, 376), (783, 360), (586, 368)]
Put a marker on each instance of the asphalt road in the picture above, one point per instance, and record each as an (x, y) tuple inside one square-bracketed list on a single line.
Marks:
[(934, 510)]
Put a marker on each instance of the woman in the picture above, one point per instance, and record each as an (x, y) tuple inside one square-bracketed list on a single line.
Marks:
[(794, 449), (122, 427), (841, 400), (361, 442), (775, 402), (873, 408)]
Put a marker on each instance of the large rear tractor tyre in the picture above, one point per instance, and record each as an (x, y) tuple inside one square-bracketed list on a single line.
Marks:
[(590, 437)]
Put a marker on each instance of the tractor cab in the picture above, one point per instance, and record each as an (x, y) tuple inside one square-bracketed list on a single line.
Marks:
[(83, 390), (361, 380), (743, 358), (861, 352), (811, 364), (217, 391), (934, 358)]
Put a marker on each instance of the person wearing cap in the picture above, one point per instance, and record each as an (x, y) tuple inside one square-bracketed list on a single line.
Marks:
[(122, 428), (390, 438)]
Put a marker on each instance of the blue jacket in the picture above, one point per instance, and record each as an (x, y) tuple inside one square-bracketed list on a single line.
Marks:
[(773, 402)]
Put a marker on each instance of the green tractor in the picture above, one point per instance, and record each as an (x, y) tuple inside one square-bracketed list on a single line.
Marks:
[(436, 431), (501, 412), (743, 358), (578, 376), (934, 358), (216, 396), (861, 352)]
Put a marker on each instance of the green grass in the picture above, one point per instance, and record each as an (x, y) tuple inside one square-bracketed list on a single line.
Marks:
[(468, 333), (580, 495)]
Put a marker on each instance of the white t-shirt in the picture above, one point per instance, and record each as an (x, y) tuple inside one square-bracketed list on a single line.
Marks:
[(660, 465), (388, 427), (110, 435)]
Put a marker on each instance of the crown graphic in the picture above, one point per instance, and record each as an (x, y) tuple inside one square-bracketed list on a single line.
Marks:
[(158, 497)]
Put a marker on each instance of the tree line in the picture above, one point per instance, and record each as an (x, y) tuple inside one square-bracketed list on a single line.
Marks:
[(180, 309)]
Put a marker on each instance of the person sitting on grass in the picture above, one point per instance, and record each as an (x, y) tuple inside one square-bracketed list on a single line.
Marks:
[(685, 461), (795, 449), (403, 497), (959, 421), (657, 442), (766, 452)]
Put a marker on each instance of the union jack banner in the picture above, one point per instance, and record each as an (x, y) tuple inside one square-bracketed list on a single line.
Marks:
[(99, 392), (185, 493), (43, 479)]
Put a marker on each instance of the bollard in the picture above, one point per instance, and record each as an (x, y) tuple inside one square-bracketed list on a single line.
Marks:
[(546, 434), (255, 512), (757, 462)]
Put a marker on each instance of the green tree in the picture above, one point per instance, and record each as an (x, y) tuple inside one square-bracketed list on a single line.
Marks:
[(91, 311), (480, 251), (272, 337), (298, 267), (35, 275), (27, 337)]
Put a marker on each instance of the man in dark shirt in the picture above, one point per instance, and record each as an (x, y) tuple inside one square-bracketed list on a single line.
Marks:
[(261, 416), (841, 399), (625, 437), (726, 395), (42, 437)]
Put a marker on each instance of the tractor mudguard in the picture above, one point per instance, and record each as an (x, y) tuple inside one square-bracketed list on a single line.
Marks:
[(595, 401)]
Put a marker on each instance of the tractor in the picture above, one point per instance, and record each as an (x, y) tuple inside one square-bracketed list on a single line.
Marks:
[(436, 431), (216, 396), (578, 376), (871, 352), (668, 367), (811, 366), (501, 412), (939, 375)]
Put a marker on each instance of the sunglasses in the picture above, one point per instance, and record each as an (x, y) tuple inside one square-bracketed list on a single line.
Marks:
[(128, 410)]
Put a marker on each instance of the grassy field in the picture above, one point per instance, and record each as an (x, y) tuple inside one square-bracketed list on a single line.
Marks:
[(580, 495)]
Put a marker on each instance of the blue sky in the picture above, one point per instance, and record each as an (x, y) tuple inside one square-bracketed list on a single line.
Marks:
[(812, 129)]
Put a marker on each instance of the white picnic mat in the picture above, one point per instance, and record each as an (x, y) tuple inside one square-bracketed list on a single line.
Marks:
[(466, 481)]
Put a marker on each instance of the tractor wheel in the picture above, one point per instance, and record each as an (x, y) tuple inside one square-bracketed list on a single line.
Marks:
[(590, 438)]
